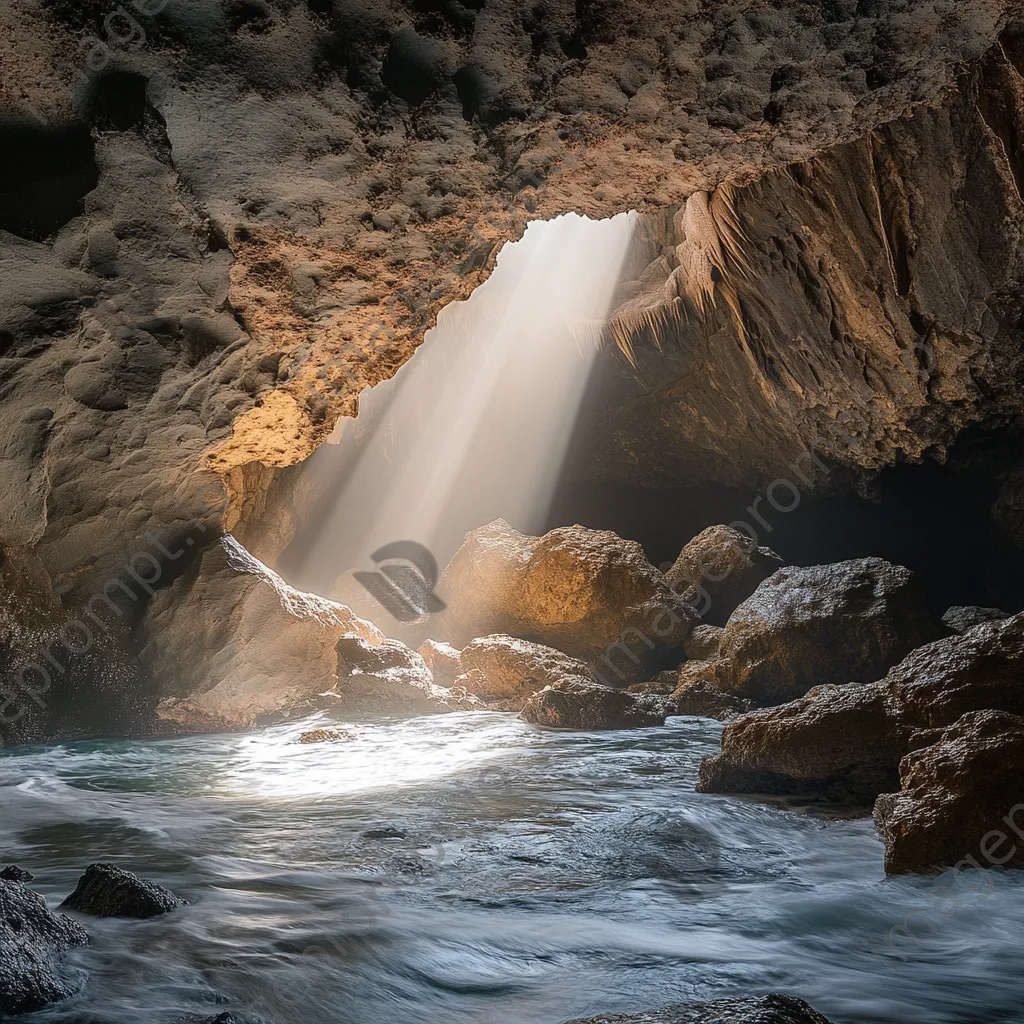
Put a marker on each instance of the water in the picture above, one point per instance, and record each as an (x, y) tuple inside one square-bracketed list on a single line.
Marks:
[(541, 876)]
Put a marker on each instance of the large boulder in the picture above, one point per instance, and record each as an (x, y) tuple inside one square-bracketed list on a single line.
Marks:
[(770, 1009), (579, 704), (847, 741), (442, 659), (960, 801), (230, 645), (720, 568), (32, 938), (386, 678), (849, 621), (504, 672), (109, 891), (586, 592)]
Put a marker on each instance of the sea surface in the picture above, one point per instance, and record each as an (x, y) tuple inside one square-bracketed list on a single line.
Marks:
[(472, 869)]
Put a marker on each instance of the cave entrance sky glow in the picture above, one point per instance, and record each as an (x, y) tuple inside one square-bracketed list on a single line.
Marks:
[(476, 425)]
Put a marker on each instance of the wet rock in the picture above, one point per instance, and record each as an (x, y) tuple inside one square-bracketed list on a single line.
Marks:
[(704, 643), (109, 891), (31, 942), (770, 1009), (960, 799), (588, 593), (847, 741), (961, 618), (227, 1017), (442, 659), (386, 678), (325, 736), (822, 624), (578, 704), (705, 700), (384, 832), (719, 569), (12, 873), (504, 672)]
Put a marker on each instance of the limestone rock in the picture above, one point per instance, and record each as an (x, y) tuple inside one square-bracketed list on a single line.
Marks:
[(960, 800), (109, 891), (504, 672), (822, 624), (32, 938), (578, 704), (386, 678), (961, 618), (588, 593), (442, 659), (770, 1009), (719, 569)]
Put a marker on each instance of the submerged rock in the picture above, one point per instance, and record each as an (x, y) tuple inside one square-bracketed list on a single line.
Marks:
[(12, 873), (960, 802), (442, 659), (32, 938), (109, 891), (770, 1009), (588, 593), (847, 741), (386, 678), (325, 736), (719, 569), (962, 617), (579, 704), (504, 672), (822, 624)]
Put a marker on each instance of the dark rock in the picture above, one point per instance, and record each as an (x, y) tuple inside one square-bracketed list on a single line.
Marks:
[(847, 741), (822, 624), (960, 802), (227, 1017), (719, 569), (704, 642), (588, 593), (109, 891), (663, 684), (705, 700), (12, 873), (504, 672), (384, 832), (31, 941), (770, 1009), (578, 704), (961, 618)]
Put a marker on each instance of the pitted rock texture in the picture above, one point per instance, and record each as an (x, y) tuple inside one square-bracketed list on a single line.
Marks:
[(588, 593), (770, 1009), (579, 704), (960, 800), (847, 741), (32, 940), (109, 891), (961, 618)]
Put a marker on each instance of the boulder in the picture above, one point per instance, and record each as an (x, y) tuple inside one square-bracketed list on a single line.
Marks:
[(663, 684), (109, 891), (579, 704), (770, 1009), (822, 624), (32, 938), (703, 643), (385, 679), (960, 799), (847, 741), (504, 672), (588, 593), (12, 873), (719, 569), (962, 617), (703, 699), (442, 659)]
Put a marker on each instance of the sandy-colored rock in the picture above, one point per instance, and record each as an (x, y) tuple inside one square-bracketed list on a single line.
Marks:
[(960, 802), (719, 569), (442, 659), (325, 736), (385, 679), (578, 704), (588, 593)]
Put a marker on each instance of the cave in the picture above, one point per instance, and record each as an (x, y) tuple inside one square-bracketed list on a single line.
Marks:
[(511, 512)]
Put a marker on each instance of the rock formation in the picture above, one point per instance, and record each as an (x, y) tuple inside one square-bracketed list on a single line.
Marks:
[(770, 1009), (575, 703), (109, 891), (384, 678)]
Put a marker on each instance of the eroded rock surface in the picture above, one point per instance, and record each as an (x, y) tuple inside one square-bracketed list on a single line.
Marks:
[(385, 678), (770, 1009), (109, 891), (442, 659), (32, 940), (583, 705), (961, 618), (588, 593)]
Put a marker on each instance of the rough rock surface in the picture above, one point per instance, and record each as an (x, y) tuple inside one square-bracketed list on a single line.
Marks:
[(717, 570), (847, 741), (770, 1009), (442, 659), (325, 736), (12, 873), (504, 672), (385, 678), (703, 643), (822, 624), (586, 592), (31, 941), (109, 891), (578, 704), (961, 618), (705, 700), (960, 801), (267, 652)]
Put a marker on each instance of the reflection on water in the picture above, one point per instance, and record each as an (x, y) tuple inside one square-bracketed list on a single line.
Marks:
[(471, 869)]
